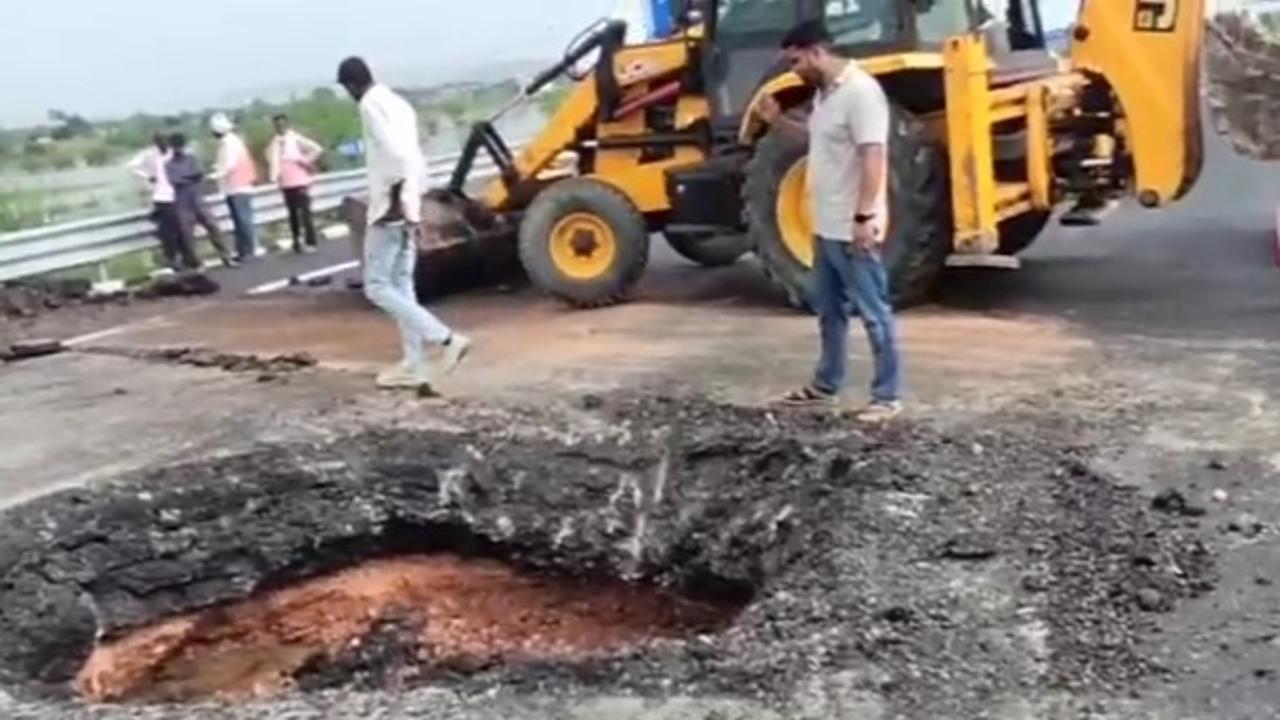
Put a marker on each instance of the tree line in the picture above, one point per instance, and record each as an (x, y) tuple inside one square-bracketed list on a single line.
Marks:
[(69, 140)]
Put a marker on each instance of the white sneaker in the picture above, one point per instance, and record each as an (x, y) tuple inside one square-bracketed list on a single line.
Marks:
[(879, 411), (403, 376), (452, 355)]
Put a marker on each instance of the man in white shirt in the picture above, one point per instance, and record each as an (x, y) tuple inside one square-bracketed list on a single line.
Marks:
[(149, 166), (236, 175), (397, 171), (848, 134)]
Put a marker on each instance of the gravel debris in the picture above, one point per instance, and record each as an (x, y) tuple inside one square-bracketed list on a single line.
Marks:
[(876, 580)]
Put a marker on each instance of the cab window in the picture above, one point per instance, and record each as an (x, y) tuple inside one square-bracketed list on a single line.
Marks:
[(739, 18), (854, 22), (937, 20)]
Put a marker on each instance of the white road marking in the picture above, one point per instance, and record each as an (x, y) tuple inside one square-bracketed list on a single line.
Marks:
[(126, 327), (278, 285)]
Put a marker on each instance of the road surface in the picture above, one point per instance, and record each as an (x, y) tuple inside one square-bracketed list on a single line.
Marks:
[(1154, 341)]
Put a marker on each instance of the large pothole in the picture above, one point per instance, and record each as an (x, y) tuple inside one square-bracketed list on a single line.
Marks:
[(642, 546), (389, 621)]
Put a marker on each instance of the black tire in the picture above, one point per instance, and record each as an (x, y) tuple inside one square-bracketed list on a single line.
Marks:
[(1017, 234), (589, 197), (710, 250), (920, 227)]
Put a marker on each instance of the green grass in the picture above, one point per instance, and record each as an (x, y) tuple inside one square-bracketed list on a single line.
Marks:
[(134, 269), (20, 209)]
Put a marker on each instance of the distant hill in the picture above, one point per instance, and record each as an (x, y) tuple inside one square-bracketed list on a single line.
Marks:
[(495, 71), (424, 78)]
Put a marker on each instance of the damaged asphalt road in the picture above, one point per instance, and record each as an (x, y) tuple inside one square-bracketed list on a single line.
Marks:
[(902, 572), (1084, 526)]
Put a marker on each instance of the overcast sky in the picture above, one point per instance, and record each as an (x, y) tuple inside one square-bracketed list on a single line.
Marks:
[(112, 57)]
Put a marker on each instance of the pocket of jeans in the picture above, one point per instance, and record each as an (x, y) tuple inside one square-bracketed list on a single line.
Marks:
[(865, 253)]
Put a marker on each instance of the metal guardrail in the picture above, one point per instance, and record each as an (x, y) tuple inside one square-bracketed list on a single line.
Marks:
[(85, 242)]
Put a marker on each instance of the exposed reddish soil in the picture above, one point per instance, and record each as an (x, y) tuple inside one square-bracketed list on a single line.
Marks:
[(467, 613)]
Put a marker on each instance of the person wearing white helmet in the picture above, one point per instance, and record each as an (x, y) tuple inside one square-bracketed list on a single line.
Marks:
[(236, 174)]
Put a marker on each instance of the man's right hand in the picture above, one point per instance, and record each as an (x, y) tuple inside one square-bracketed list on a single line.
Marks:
[(769, 110), (395, 211)]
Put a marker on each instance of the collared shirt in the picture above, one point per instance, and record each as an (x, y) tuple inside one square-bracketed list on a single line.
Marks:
[(853, 111), (149, 165), (234, 170), (393, 153), (291, 157)]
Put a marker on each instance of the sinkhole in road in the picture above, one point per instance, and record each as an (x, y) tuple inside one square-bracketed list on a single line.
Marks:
[(519, 548), (652, 547), (386, 558), (388, 621)]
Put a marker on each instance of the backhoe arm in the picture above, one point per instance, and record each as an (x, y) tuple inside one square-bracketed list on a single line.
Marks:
[(1148, 52)]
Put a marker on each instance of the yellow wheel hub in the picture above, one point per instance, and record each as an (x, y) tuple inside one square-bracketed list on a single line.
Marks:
[(583, 247), (795, 216)]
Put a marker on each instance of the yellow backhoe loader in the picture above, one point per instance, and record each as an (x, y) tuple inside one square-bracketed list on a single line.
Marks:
[(991, 131)]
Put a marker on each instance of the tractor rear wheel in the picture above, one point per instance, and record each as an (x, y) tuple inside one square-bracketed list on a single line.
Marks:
[(710, 250), (920, 227), (584, 242)]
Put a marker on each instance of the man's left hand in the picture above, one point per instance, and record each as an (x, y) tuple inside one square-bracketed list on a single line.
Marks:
[(867, 235)]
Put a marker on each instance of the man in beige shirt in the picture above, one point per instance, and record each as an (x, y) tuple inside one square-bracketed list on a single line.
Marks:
[(848, 133)]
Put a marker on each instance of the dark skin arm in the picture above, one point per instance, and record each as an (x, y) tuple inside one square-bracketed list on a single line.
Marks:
[(771, 112), (395, 213)]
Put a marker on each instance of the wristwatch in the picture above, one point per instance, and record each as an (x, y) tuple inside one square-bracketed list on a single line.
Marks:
[(863, 218)]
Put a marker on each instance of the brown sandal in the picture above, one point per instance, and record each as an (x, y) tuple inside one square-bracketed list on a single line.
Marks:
[(807, 396)]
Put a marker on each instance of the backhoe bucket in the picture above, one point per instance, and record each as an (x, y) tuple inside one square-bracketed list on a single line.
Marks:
[(461, 245)]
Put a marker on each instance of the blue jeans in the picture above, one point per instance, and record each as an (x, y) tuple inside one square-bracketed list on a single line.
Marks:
[(389, 259), (848, 278), (241, 207)]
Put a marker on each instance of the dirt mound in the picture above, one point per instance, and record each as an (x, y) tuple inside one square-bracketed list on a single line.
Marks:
[(948, 569), (1243, 85), (29, 298), (268, 367)]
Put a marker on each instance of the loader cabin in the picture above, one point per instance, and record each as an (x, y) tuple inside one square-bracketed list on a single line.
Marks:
[(900, 41), (910, 33)]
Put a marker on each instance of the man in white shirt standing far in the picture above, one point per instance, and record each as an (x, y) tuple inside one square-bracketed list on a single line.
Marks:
[(236, 174), (148, 166), (848, 132), (397, 172)]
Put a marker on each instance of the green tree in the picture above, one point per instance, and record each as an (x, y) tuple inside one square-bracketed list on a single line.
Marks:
[(551, 98), (98, 155), (69, 125)]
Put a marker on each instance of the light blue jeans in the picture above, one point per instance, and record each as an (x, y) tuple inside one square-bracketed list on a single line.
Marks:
[(847, 278), (241, 207), (389, 259)]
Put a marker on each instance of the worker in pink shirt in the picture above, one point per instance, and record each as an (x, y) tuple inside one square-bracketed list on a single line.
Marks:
[(236, 175), (292, 158)]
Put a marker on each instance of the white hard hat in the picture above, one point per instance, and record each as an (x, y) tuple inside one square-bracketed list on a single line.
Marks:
[(221, 124)]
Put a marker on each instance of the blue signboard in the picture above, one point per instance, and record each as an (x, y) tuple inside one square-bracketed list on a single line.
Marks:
[(351, 149), (664, 23)]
